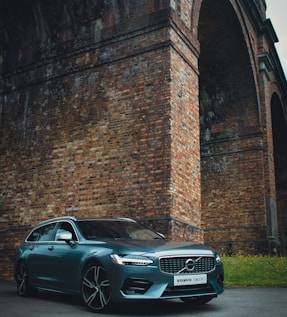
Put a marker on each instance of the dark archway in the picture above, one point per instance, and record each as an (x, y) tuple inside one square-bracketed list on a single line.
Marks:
[(229, 131), (279, 130)]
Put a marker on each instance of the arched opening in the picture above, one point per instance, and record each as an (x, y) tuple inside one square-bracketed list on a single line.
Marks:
[(279, 130), (231, 189)]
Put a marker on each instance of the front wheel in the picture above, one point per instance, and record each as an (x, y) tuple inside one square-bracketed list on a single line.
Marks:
[(22, 280), (196, 300), (95, 287)]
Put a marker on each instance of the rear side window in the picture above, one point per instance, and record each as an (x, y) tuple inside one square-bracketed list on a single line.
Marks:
[(44, 233)]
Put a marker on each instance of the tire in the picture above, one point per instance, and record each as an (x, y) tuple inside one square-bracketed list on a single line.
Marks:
[(196, 300), (22, 280), (95, 289)]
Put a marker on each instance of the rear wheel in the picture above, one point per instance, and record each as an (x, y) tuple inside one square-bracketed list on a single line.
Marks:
[(196, 300), (95, 287), (22, 280)]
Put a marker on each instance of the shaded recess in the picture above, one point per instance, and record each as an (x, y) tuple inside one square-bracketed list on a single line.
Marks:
[(279, 143), (231, 187), (279, 129), (227, 92)]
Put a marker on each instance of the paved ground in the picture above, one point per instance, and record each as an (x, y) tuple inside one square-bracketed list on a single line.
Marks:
[(235, 302)]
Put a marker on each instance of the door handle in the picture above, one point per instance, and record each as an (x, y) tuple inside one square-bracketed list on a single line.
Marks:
[(31, 247), (51, 248)]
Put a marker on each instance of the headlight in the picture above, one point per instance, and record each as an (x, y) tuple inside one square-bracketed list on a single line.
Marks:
[(131, 260), (217, 258)]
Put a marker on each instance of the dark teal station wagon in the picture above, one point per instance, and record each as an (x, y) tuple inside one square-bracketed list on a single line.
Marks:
[(107, 261)]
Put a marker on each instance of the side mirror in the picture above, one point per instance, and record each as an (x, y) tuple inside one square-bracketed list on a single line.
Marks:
[(64, 235)]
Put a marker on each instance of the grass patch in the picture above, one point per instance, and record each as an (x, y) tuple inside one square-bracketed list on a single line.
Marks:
[(262, 271)]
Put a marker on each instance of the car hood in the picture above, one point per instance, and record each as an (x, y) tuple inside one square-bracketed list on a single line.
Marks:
[(140, 247)]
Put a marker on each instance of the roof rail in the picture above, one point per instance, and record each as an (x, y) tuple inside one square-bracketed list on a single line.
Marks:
[(59, 218), (126, 218)]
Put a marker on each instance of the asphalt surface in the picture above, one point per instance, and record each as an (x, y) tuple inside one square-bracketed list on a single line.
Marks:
[(234, 302)]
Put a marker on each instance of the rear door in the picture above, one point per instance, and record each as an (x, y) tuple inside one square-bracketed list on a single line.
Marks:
[(38, 247)]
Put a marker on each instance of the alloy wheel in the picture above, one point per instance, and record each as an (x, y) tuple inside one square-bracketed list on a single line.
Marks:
[(96, 291), (22, 280)]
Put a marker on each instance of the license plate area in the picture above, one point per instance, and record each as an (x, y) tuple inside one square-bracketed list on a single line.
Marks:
[(189, 279)]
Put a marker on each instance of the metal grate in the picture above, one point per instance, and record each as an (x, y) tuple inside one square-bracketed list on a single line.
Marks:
[(134, 286), (187, 265)]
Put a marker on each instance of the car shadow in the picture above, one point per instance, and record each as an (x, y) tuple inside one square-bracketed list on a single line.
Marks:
[(162, 308), (137, 308)]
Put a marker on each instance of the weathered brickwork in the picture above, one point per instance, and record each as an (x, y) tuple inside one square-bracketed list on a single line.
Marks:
[(243, 185), (159, 110)]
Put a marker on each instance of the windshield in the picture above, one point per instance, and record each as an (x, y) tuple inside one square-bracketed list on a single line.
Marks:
[(115, 229)]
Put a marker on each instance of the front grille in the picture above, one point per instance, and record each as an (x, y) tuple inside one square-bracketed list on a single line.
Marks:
[(187, 264)]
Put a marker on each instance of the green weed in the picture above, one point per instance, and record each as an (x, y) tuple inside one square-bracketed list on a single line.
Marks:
[(262, 271)]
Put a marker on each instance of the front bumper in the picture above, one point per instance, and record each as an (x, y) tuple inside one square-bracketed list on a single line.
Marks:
[(129, 282)]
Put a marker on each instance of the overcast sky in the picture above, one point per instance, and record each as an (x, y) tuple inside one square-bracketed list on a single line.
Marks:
[(277, 12)]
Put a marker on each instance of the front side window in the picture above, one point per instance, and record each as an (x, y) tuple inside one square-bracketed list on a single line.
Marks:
[(66, 226)]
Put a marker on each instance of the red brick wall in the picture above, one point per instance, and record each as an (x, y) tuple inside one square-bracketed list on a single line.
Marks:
[(100, 116)]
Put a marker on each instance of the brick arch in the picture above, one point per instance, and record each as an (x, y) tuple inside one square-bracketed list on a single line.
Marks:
[(195, 13), (228, 95), (239, 15), (229, 127)]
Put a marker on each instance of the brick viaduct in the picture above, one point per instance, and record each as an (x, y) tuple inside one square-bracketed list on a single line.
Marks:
[(172, 112)]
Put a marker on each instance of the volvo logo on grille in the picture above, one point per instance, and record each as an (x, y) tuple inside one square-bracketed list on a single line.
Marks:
[(190, 264)]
